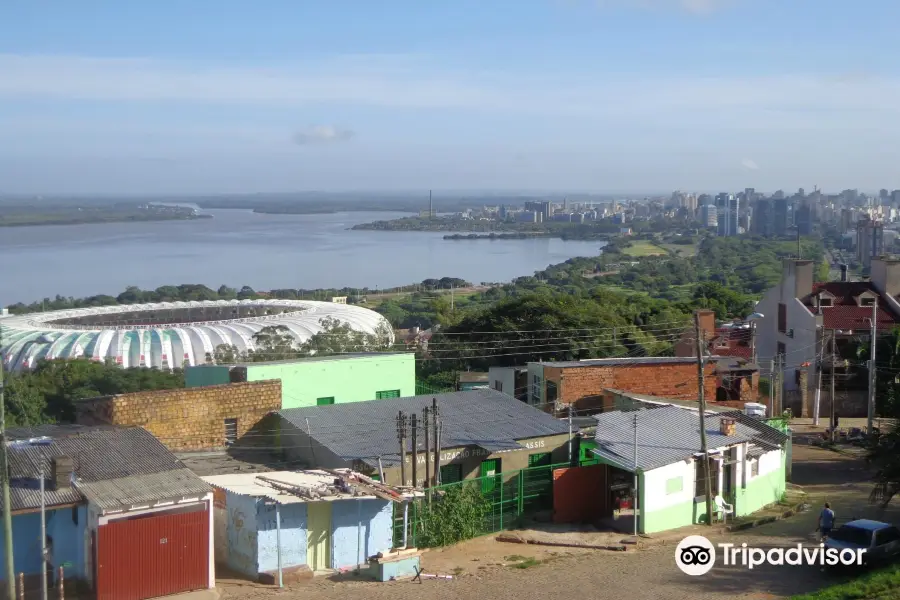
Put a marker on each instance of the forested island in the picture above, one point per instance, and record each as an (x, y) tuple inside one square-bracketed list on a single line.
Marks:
[(38, 213), (457, 226)]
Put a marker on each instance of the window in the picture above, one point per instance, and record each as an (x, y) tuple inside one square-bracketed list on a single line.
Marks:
[(536, 389), (325, 401), (231, 432), (699, 479), (542, 459), (867, 301), (674, 485), (551, 393), (825, 301), (451, 474), (782, 350), (387, 394), (886, 536), (498, 385), (782, 318)]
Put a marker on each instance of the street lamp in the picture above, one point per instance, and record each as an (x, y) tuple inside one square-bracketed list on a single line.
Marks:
[(752, 319)]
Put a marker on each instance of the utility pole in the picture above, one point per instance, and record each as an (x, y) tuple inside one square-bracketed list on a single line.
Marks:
[(634, 509), (833, 399), (43, 540), (437, 442), (871, 412), (4, 476), (701, 396), (415, 450), (401, 436), (818, 401), (426, 425)]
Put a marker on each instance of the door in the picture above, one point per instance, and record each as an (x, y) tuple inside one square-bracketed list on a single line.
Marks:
[(154, 555), (318, 535), (489, 469)]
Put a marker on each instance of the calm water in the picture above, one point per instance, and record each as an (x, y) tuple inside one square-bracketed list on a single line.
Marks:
[(238, 247)]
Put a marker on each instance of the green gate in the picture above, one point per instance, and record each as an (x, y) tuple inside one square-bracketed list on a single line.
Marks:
[(512, 495)]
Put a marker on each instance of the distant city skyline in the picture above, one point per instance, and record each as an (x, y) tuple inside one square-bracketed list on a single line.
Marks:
[(614, 96)]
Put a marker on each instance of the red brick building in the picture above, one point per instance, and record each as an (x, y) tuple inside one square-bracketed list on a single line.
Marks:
[(558, 385)]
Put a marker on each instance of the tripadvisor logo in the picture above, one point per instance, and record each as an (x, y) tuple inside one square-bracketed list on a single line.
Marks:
[(695, 555)]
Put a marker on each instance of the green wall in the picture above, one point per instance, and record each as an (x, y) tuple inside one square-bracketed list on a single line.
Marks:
[(761, 491), (346, 379), (202, 375)]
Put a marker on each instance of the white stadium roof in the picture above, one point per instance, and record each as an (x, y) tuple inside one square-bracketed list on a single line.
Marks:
[(165, 335)]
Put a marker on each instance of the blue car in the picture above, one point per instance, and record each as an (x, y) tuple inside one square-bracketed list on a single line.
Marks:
[(880, 541)]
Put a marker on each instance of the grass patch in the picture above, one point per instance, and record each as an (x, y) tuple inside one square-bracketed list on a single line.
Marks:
[(883, 584), (527, 563), (643, 248)]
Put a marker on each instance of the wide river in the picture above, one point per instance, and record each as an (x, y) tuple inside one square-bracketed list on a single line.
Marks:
[(239, 247)]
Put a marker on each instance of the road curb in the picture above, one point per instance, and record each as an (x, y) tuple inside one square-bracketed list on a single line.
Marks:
[(790, 512)]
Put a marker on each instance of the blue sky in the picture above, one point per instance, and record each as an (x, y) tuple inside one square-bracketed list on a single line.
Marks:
[(177, 96)]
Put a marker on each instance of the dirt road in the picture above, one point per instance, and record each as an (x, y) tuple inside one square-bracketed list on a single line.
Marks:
[(484, 568)]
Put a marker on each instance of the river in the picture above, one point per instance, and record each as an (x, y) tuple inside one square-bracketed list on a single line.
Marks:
[(239, 247)]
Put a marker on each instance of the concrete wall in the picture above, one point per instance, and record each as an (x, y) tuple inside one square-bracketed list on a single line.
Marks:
[(350, 546), (583, 386), (293, 536), (242, 530), (186, 419), (351, 379), (68, 541), (661, 510), (763, 489), (504, 377)]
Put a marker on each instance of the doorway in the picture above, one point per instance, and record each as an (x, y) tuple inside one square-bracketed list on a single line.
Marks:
[(318, 535)]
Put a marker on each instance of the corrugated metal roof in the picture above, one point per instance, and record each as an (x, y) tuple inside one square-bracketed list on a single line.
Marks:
[(366, 430), (665, 436), (657, 401), (259, 485), (98, 453), (765, 435), (143, 490)]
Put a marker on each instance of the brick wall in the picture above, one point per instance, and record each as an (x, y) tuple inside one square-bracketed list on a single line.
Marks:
[(189, 418), (584, 386)]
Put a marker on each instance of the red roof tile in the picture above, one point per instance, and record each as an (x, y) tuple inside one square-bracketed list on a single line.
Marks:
[(731, 341), (846, 314)]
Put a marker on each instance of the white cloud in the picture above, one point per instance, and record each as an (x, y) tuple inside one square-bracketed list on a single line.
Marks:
[(322, 134), (789, 102), (697, 7), (749, 163)]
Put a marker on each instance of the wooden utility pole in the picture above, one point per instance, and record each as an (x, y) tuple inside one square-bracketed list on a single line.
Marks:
[(426, 425), (401, 437), (437, 442), (833, 399), (415, 448), (701, 397)]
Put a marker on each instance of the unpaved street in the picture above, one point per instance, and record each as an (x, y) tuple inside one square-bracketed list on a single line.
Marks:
[(483, 567)]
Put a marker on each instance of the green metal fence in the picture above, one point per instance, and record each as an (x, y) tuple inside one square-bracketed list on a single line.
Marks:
[(512, 495), (423, 389)]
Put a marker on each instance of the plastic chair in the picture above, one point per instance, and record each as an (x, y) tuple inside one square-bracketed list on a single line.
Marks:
[(724, 508)]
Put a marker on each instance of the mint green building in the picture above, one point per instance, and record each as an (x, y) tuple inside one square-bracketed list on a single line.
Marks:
[(321, 380), (747, 462)]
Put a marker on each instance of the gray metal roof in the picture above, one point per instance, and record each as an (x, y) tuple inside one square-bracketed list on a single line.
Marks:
[(765, 435), (144, 490), (98, 453), (367, 430), (618, 362), (647, 399), (665, 436), (306, 359)]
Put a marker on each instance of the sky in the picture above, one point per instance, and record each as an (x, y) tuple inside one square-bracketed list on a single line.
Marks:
[(227, 96)]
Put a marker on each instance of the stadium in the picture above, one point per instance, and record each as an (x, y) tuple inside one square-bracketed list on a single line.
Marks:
[(166, 335)]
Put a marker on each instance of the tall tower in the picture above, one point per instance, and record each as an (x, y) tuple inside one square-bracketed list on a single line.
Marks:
[(430, 206)]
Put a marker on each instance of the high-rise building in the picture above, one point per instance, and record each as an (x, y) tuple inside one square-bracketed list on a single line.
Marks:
[(709, 215), (803, 219), (728, 209), (782, 217), (763, 218), (544, 208), (869, 241)]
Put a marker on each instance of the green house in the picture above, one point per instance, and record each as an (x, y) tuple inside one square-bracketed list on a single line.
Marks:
[(321, 380)]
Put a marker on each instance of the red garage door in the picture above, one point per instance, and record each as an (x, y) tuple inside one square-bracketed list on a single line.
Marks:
[(153, 556)]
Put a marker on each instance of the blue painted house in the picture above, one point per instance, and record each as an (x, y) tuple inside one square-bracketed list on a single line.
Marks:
[(322, 526), (96, 481)]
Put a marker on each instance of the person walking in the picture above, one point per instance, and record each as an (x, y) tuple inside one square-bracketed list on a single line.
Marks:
[(826, 521)]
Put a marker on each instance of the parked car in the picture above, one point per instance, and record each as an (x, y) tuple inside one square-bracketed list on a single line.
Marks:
[(881, 541)]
